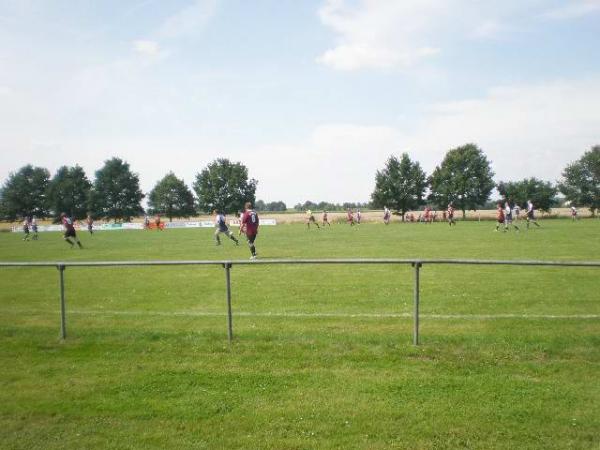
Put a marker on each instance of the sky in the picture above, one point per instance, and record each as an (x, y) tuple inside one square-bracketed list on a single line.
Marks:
[(312, 96)]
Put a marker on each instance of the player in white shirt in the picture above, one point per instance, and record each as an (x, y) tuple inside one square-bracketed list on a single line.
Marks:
[(386, 215), (531, 214), (573, 213), (508, 217)]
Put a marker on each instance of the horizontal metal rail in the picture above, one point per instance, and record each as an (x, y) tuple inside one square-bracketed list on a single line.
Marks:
[(417, 264), (301, 261)]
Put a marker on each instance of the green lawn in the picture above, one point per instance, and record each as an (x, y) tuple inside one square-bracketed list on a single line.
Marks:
[(322, 356)]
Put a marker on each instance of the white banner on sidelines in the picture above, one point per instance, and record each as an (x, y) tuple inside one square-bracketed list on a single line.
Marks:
[(139, 225)]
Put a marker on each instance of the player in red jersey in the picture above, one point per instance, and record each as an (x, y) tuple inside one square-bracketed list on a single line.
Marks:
[(451, 214), (69, 230), (499, 216), (249, 225), (350, 217)]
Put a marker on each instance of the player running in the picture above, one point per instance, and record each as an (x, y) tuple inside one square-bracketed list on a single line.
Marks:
[(26, 228), (350, 217), (450, 214), (358, 216), (499, 216), (310, 218), (325, 219), (531, 214), (508, 217), (386, 215), (34, 228), (90, 223), (249, 225), (69, 230), (573, 213), (221, 227)]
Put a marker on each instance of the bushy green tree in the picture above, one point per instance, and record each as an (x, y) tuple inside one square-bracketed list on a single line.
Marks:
[(25, 193), (581, 180), (541, 193), (464, 178), (68, 192), (400, 185), (172, 198), (116, 191), (224, 186), (276, 206)]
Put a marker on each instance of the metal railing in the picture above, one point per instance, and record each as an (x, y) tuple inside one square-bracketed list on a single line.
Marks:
[(415, 263)]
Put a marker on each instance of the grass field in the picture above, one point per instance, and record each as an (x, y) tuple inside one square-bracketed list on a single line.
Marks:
[(322, 356)]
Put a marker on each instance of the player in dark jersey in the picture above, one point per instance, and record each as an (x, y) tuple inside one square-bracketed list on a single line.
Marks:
[(249, 225), (325, 219), (350, 217), (450, 214), (221, 227), (499, 216), (69, 230)]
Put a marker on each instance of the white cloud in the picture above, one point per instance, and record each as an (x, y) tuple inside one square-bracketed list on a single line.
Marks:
[(525, 130), (146, 47), (190, 20), (574, 10), (5, 91), (384, 34), (379, 34)]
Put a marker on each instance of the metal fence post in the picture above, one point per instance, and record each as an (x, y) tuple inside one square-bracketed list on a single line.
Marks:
[(227, 267), (63, 318), (417, 266)]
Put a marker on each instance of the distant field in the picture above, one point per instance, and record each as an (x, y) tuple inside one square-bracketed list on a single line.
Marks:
[(322, 356)]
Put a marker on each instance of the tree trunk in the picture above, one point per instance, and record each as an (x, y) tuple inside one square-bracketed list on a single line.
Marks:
[(464, 214)]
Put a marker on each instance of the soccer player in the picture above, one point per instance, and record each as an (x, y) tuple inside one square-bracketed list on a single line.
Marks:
[(249, 225), (350, 217), (508, 217), (310, 218), (158, 223), (573, 213), (34, 228), (69, 230), (358, 216), (221, 227), (90, 223), (26, 228), (386, 215), (146, 222), (499, 216), (450, 212), (427, 215), (325, 219), (531, 214)]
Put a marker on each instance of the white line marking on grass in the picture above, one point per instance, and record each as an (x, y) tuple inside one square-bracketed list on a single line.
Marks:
[(324, 315)]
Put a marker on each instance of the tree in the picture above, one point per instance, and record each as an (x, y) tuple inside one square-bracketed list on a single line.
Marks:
[(581, 180), (260, 205), (400, 185), (464, 178), (276, 206), (541, 193), (224, 186), (69, 191), (116, 192), (24, 193), (172, 198)]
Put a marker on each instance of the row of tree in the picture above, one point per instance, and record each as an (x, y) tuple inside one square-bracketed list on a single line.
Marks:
[(465, 179), (115, 193)]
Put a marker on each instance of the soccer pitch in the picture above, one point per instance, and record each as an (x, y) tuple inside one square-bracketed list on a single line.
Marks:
[(322, 356)]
